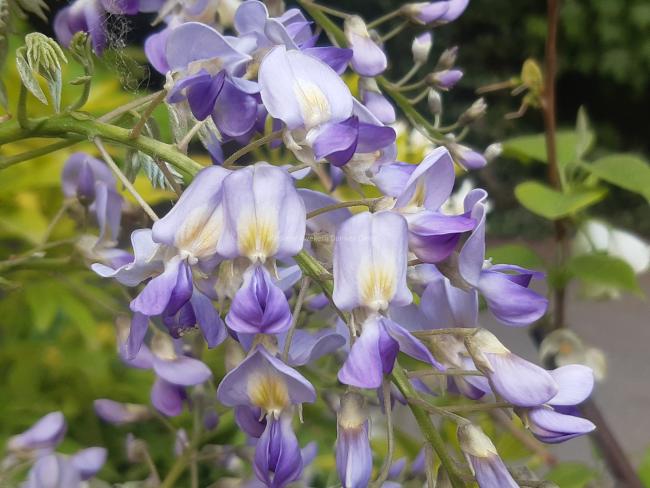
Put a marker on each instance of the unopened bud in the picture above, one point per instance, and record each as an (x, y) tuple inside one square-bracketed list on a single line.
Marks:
[(447, 59), (484, 342), (434, 100), (425, 12), (353, 412), (493, 151), (445, 79), (473, 441), (421, 47), (181, 443), (474, 112), (136, 449), (81, 49)]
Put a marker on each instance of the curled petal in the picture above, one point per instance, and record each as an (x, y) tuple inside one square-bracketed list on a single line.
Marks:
[(119, 413), (520, 382), (89, 461), (259, 370), (46, 433), (554, 427), (511, 302), (182, 371), (167, 398), (433, 236), (575, 384)]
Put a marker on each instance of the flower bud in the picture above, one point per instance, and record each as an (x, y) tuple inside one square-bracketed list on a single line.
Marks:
[(482, 456), (447, 59), (368, 58), (434, 100), (425, 12), (353, 453), (421, 47), (120, 413), (474, 112), (445, 79), (46, 433), (136, 449), (493, 151), (467, 157)]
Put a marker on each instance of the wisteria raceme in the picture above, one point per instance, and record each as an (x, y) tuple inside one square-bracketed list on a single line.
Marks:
[(263, 290)]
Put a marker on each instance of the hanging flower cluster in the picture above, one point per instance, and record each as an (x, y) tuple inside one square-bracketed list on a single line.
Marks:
[(252, 256)]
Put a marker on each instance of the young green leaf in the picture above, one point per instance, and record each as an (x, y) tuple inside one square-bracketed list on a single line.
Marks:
[(625, 170), (552, 204), (601, 269)]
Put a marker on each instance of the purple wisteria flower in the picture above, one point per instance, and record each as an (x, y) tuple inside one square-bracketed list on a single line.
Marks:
[(59, 471), (368, 58), (50, 469), (483, 458), (182, 241), (120, 413), (375, 101), (316, 106), (44, 435), (374, 352), (174, 372), (261, 381), (91, 182), (260, 306), (504, 287), (516, 380), (419, 192), (440, 11), (353, 452), (91, 16), (557, 421), (370, 262), (264, 215)]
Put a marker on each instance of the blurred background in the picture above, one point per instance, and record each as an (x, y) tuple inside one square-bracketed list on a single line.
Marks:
[(57, 343)]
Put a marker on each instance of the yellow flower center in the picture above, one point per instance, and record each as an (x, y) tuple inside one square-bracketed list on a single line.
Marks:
[(378, 286), (269, 392)]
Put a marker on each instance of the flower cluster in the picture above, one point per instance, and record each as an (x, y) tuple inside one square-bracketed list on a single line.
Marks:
[(253, 256), (35, 448)]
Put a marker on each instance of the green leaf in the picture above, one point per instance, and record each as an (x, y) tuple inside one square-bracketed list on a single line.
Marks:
[(552, 204), (518, 254), (571, 475), (29, 80), (601, 269), (533, 147), (625, 170)]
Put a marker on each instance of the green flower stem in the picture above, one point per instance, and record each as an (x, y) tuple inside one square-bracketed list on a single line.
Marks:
[(368, 202), (429, 430), (229, 163), (78, 125), (35, 153), (157, 100), (335, 34)]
